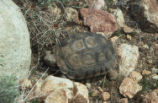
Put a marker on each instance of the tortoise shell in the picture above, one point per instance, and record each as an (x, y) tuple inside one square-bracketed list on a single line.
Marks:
[(85, 55)]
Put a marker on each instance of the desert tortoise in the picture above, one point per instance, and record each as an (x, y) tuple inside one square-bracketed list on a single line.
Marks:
[(85, 55)]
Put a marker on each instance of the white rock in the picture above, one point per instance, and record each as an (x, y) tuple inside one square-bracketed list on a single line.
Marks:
[(97, 4), (119, 17), (155, 77), (128, 58), (15, 52), (129, 87)]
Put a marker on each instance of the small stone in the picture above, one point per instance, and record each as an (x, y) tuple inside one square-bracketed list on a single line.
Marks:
[(136, 76), (155, 77), (124, 100), (96, 4), (129, 37), (100, 89), (95, 93), (114, 39), (145, 46), (129, 87), (105, 96), (25, 84), (146, 72), (127, 29)]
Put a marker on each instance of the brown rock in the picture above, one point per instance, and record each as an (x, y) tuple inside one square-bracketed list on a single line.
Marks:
[(129, 87), (151, 97), (145, 13), (146, 72), (99, 21), (124, 100), (136, 76), (105, 96)]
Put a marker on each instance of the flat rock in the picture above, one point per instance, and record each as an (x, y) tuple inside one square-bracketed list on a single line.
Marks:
[(99, 21), (145, 13)]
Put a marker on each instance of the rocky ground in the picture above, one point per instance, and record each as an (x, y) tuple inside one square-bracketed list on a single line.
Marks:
[(136, 43)]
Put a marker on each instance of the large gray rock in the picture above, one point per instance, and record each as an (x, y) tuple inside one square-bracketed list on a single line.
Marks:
[(145, 12), (15, 52)]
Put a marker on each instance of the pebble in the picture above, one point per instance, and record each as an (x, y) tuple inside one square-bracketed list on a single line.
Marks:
[(95, 93), (146, 72), (155, 76), (105, 96)]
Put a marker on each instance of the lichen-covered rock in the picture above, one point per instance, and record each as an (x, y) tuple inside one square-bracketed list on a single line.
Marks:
[(145, 13), (129, 55), (15, 52), (99, 21)]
